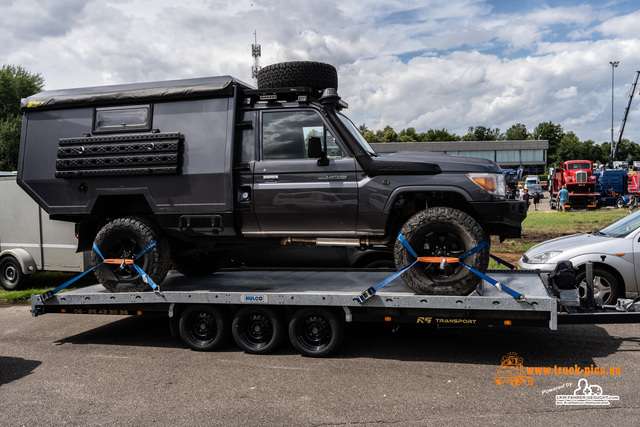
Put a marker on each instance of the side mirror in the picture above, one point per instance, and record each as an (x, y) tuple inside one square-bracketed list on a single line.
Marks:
[(316, 151)]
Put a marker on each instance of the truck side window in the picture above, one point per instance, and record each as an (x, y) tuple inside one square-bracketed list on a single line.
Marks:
[(285, 135)]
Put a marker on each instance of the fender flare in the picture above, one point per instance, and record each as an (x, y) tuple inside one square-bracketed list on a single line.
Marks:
[(27, 264)]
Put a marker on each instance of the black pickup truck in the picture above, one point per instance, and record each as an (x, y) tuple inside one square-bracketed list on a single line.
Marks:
[(197, 168)]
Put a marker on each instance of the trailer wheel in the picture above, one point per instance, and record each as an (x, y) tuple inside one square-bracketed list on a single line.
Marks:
[(204, 327), (11, 276), (202, 264), (123, 238), (441, 232), (316, 332), (316, 75), (605, 286), (258, 330)]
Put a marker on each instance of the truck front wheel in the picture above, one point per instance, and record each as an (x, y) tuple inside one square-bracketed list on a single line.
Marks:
[(441, 232), (124, 238)]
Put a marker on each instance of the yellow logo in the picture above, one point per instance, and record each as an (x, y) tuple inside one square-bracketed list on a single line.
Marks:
[(34, 104)]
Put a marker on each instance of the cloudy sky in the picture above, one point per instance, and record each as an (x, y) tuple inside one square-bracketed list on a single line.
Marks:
[(406, 63)]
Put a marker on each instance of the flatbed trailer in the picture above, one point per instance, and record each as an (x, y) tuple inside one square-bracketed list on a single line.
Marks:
[(258, 308)]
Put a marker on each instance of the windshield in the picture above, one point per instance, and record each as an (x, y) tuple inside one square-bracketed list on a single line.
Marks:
[(357, 135), (624, 226), (576, 166)]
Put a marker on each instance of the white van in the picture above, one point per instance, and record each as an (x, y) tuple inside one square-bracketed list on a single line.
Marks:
[(531, 179)]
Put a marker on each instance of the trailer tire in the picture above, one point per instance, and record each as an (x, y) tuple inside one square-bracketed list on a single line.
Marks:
[(316, 332), (605, 286), (11, 276), (316, 75), (258, 330), (439, 232), (123, 238), (204, 327)]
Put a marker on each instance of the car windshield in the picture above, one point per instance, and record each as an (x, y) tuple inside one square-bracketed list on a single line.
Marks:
[(357, 135), (624, 226)]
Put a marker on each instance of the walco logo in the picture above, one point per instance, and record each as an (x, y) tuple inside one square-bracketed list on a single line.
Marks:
[(254, 298), (511, 371)]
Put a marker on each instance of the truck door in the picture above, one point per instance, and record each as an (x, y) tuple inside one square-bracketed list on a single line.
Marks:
[(292, 193)]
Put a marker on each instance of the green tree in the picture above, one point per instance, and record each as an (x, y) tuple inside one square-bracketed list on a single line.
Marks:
[(15, 83), (516, 132), (387, 135), (552, 133), (482, 133), (437, 135)]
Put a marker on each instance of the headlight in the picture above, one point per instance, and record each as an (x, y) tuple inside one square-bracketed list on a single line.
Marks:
[(492, 183), (542, 257)]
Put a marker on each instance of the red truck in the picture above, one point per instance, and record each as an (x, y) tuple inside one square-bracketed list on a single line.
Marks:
[(578, 176)]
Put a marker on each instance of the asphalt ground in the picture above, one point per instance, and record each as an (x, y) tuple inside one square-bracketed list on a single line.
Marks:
[(67, 369)]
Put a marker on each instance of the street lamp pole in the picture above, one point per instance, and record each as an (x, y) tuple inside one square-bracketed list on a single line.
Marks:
[(614, 64)]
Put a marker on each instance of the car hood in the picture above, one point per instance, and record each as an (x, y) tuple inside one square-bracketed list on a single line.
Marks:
[(584, 243), (446, 162)]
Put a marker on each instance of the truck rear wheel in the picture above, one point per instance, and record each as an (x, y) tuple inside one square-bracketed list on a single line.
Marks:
[(124, 238), (11, 276), (204, 327), (316, 75), (441, 232), (316, 332), (258, 330)]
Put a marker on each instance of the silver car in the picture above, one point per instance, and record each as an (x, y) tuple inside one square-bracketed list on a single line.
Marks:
[(614, 252)]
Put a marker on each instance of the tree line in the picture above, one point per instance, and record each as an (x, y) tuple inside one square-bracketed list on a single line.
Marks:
[(563, 145), (17, 83)]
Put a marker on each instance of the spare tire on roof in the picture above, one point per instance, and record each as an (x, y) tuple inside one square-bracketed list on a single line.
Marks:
[(316, 75)]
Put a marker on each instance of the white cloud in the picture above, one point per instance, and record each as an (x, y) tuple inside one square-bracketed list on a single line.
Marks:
[(427, 64)]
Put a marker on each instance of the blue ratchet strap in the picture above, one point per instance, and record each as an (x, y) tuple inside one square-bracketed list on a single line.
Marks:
[(47, 295), (502, 288), (372, 290), (145, 277)]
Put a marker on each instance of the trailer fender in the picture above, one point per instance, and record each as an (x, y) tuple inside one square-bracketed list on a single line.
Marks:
[(27, 264)]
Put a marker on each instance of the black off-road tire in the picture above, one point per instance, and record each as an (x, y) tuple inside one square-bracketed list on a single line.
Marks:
[(124, 238), (442, 231), (316, 75), (202, 264), (11, 276)]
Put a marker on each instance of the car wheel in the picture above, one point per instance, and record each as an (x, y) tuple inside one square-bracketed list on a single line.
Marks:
[(441, 232), (605, 286), (619, 203), (123, 238), (316, 75), (11, 276)]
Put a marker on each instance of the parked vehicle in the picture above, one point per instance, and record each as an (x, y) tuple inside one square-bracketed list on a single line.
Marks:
[(531, 179), (612, 186), (578, 176), (614, 252), (29, 241), (192, 169), (536, 188)]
